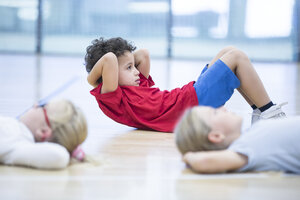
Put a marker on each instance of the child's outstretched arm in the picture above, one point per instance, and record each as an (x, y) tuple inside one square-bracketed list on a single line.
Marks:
[(142, 61), (214, 161), (107, 68)]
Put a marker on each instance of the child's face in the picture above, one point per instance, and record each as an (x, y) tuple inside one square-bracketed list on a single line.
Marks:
[(36, 120), (128, 74), (228, 123)]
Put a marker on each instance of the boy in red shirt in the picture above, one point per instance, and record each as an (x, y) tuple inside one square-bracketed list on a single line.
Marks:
[(124, 92)]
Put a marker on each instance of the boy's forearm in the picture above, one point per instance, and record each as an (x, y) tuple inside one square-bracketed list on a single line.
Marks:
[(203, 162), (142, 61), (97, 70), (214, 161)]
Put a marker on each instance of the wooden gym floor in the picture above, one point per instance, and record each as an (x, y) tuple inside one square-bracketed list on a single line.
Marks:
[(128, 163)]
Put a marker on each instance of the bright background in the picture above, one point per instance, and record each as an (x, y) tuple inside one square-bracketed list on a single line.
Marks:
[(189, 29)]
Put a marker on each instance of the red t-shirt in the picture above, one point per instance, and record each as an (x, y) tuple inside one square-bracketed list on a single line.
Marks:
[(146, 107)]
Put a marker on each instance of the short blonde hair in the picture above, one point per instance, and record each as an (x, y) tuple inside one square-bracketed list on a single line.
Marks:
[(68, 123), (191, 133)]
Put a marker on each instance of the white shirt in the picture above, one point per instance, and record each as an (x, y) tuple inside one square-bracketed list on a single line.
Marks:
[(17, 147)]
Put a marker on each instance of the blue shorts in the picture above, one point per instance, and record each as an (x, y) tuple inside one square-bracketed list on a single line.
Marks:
[(216, 85)]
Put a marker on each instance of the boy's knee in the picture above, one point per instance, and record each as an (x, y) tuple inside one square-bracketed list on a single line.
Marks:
[(237, 54), (228, 48)]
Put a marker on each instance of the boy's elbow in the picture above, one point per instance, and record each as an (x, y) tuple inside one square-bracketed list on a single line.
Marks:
[(200, 166), (145, 53), (110, 62), (109, 56), (91, 82)]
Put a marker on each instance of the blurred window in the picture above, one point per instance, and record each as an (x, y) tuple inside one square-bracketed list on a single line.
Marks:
[(200, 28)]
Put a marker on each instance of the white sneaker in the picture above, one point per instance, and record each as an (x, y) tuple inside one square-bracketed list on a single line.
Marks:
[(274, 112), (255, 116)]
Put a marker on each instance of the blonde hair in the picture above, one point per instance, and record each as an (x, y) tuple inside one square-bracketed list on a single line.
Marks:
[(191, 133), (68, 124)]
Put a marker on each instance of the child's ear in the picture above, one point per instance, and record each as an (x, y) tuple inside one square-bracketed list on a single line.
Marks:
[(45, 134), (216, 137)]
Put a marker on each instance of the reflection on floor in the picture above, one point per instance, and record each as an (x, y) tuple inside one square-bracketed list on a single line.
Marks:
[(129, 163)]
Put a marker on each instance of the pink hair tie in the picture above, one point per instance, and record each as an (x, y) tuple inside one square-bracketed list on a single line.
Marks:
[(78, 153)]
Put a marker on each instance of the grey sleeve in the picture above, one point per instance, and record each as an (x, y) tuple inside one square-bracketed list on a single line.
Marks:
[(246, 151)]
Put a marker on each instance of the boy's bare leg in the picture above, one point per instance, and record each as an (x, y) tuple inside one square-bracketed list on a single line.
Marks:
[(245, 97), (251, 85), (217, 57), (220, 54)]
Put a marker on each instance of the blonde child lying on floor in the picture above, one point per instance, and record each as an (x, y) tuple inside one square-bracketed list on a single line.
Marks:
[(44, 136), (211, 141)]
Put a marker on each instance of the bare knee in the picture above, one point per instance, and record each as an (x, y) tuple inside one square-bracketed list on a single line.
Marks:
[(237, 55), (227, 49), (234, 58)]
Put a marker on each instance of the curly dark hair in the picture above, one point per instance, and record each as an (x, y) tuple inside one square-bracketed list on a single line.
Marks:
[(100, 47)]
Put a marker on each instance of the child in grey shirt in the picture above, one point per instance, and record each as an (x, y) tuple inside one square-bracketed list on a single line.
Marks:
[(212, 142)]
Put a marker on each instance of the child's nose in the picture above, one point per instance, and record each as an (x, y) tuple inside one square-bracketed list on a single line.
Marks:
[(136, 72)]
